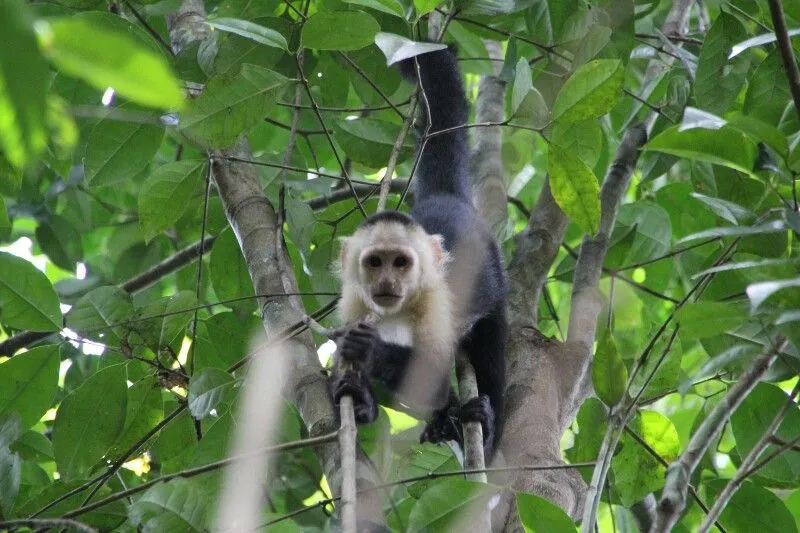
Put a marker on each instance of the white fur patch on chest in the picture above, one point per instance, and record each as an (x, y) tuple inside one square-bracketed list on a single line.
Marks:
[(397, 330)]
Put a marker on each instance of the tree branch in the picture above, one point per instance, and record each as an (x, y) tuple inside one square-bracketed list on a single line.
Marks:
[(787, 52), (673, 497), (744, 470)]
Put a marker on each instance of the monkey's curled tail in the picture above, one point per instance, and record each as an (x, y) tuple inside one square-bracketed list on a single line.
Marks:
[(444, 163)]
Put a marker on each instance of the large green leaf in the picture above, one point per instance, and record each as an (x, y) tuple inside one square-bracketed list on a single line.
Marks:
[(707, 319), (754, 508), (27, 299), (24, 79), (229, 275), (10, 478), (207, 389), (61, 241), (718, 80), (144, 409), (609, 373), (441, 507), (230, 106), (369, 141), (726, 146), (591, 92), (118, 150), (526, 101), (89, 421), (28, 384), (542, 516), (574, 188), (339, 30), (750, 421), (170, 315), (166, 194), (102, 315), (768, 90), (106, 58), (175, 506), (396, 48), (636, 472)]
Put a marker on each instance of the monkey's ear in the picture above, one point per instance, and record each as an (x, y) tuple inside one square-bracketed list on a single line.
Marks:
[(437, 246)]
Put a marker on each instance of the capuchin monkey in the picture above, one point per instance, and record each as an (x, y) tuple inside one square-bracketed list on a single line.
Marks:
[(433, 281)]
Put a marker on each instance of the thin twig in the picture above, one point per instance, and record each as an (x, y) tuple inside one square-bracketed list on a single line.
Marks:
[(45, 523)]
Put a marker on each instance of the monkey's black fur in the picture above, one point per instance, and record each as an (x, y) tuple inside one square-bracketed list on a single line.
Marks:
[(443, 204)]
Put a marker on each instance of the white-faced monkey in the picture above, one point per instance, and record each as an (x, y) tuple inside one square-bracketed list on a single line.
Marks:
[(435, 279)]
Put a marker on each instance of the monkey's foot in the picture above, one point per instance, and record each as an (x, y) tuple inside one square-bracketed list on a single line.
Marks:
[(480, 410), (365, 408), (443, 425)]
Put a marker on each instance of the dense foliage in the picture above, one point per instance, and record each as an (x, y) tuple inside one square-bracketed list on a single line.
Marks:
[(117, 369)]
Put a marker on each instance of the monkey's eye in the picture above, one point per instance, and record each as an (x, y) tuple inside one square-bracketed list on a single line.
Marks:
[(401, 261), (373, 261)]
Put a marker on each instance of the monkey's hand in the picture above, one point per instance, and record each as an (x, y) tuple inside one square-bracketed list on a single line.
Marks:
[(443, 425), (480, 410), (357, 349)]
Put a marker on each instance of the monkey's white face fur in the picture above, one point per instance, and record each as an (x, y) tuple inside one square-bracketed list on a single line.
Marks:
[(389, 265)]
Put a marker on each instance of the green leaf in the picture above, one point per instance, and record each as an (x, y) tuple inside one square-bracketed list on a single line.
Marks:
[(697, 118), (592, 424), (166, 194), (526, 101), (207, 389), (754, 508), (106, 518), (119, 150), (59, 239), (726, 146), (144, 409), (584, 139), (396, 48), (369, 141), (636, 471), (541, 516), (28, 384), (591, 92), (27, 299), (768, 90), (10, 478), (760, 292), (229, 275), (222, 340), (719, 80), (170, 315), (574, 188), (707, 319), (732, 212), (609, 374), (102, 315), (729, 359), (33, 446), (750, 421), (424, 7), (106, 58), (251, 30), (24, 80), (339, 30), (178, 505), (443, 505), (5, 222), (230, 106), (89, 421), (300, 223)]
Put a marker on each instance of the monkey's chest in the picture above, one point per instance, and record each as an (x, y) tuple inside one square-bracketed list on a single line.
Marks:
[(397, 330)]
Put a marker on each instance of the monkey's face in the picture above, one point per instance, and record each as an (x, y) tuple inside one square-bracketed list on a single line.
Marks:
[(390, 274)]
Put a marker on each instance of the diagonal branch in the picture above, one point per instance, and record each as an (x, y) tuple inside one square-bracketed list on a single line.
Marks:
[(787, 52), (673, 497)]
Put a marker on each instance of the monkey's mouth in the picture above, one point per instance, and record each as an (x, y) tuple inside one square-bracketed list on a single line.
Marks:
[(386, 299)]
